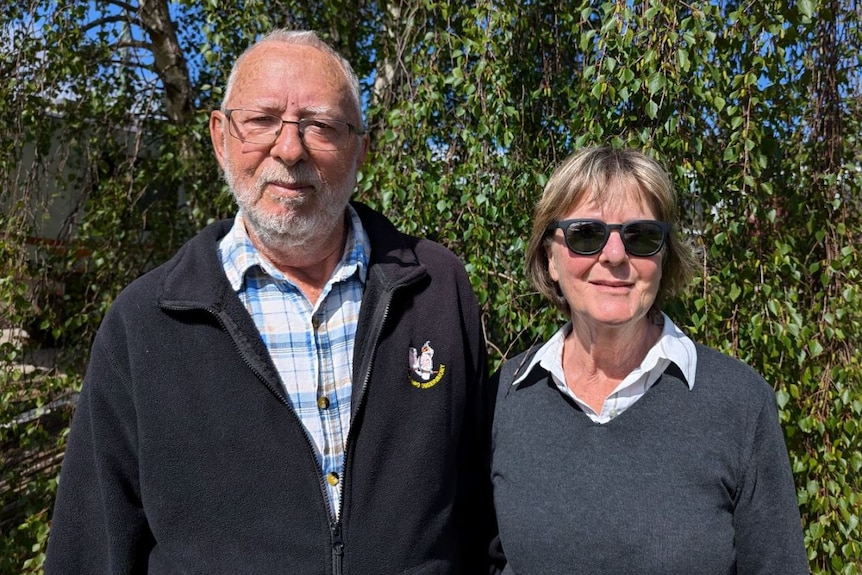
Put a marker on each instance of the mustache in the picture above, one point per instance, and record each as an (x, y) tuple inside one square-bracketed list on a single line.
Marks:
[(301, 174)]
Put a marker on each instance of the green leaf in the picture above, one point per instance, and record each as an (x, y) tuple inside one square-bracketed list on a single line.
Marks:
[(735, 292), (655, 83), (782, 397)]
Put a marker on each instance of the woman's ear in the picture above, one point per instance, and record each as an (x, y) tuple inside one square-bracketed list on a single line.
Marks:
[(552, 264)]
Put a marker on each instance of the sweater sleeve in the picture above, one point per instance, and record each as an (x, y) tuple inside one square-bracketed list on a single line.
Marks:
[(99, 525), (768, 530)]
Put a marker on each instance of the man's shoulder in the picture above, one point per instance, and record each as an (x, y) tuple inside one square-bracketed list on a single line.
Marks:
[(387, 239), (186, 265), (430, 250)]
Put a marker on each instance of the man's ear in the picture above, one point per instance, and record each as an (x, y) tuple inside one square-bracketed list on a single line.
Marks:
[(363, 151), (218, 125)]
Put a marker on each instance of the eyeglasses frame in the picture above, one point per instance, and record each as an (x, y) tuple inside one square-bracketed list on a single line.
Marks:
[(564, 225), (298, 123)]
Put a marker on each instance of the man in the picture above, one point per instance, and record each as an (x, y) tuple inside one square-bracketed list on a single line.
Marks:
[(298, 390)]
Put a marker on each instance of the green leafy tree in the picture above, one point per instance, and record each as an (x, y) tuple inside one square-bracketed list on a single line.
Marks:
[(753, 106)]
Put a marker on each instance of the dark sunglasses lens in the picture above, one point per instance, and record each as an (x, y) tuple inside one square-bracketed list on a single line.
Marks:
[(643, 238), (586, 237)]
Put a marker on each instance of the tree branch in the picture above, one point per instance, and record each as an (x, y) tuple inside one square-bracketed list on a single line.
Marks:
[(137, 44), (131, 9), (99, 22)]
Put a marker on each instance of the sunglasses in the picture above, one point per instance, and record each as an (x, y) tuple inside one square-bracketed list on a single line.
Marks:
[(641, 238)]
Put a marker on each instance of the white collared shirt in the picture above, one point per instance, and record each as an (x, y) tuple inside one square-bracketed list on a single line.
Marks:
[(672, 346)]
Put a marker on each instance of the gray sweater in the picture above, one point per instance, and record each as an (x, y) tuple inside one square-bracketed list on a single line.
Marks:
[(683, 482)]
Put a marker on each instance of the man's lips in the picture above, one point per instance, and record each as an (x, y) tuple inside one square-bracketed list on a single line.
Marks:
[(289, 188)]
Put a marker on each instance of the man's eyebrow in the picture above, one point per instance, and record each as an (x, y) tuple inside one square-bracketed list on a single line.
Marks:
[(316, 111), (261, 107), (305, 112)]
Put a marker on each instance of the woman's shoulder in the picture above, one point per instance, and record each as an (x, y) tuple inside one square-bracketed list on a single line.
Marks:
[(717, 370), (513, 367)]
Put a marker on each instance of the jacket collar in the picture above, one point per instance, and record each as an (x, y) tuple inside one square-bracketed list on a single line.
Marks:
[(194, 277)]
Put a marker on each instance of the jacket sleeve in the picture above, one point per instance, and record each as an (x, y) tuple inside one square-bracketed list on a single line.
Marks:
[(766, 517), (475, 499), (99, 525)]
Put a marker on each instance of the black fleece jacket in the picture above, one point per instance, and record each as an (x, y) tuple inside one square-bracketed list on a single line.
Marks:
[(184, 456)]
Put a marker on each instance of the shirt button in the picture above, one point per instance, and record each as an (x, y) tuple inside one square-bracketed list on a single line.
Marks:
[(332, 478), (315, 322), (323, 402)]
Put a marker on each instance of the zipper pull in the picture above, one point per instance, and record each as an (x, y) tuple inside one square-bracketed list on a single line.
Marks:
[(337, 547)]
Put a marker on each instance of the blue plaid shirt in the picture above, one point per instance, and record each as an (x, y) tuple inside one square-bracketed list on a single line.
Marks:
[(311, 345)]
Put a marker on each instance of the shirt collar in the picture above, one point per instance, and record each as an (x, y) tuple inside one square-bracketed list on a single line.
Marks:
[(673, 345), (238, 254)]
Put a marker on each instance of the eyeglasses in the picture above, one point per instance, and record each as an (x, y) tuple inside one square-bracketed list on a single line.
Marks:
[(641, 238), (321, 134)]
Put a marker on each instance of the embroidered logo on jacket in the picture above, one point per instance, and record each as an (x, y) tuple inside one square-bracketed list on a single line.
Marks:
[(422, 372)]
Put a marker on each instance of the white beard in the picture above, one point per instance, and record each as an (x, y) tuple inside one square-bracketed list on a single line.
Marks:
[(307, 217)]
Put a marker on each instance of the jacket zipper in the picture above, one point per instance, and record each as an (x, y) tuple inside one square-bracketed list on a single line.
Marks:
[(335, 528), (337, 547), (321, 481)]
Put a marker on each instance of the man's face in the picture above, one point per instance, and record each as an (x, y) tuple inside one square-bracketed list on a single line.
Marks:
[(288, 194)]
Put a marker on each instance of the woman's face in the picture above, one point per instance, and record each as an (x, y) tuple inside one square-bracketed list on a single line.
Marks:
[(609, 289)]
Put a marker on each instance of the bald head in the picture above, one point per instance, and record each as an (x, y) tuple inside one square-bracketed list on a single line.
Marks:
[(298, 38)]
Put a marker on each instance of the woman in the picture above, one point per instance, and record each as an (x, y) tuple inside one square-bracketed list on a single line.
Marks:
[(620, 446)]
